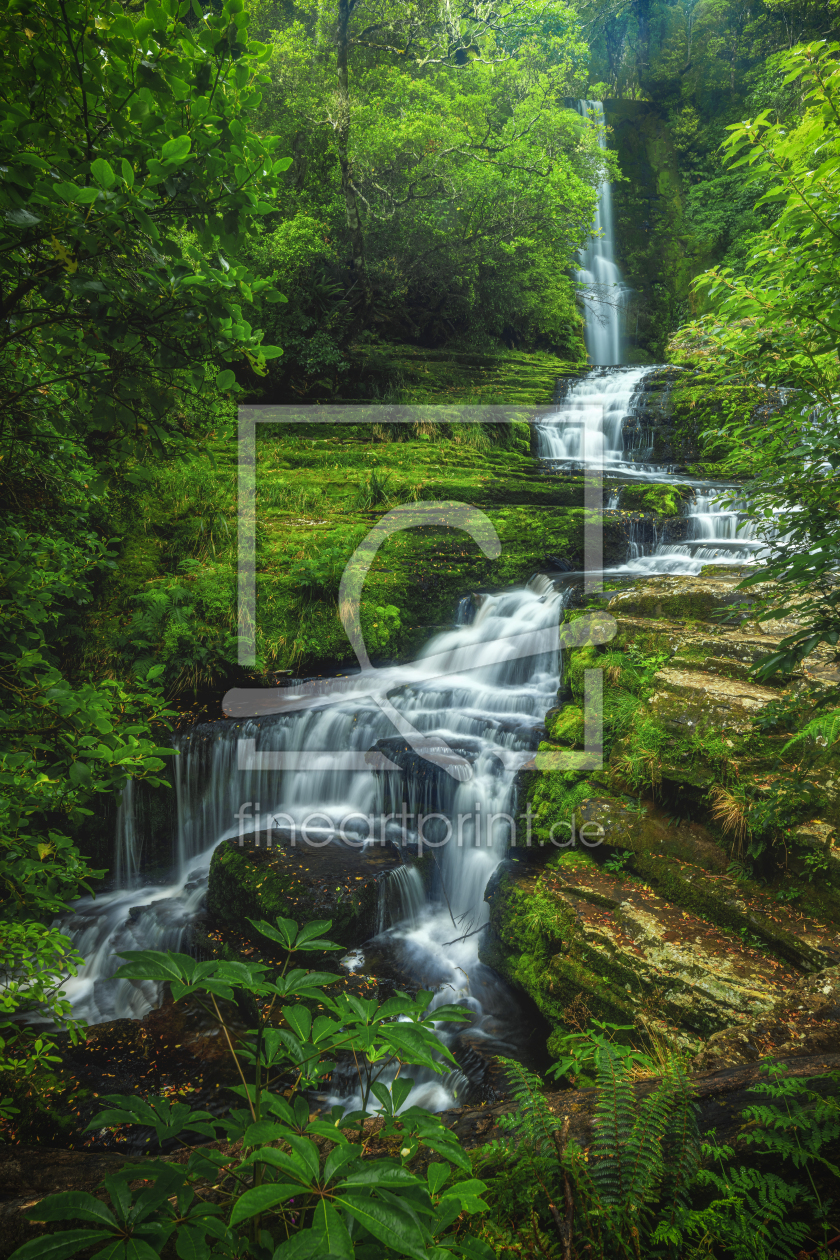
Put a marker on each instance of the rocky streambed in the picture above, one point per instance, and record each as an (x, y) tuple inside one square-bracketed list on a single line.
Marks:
[(715, 894)]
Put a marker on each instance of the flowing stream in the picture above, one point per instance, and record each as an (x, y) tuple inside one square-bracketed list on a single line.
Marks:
[(485, 705), (496, 674), (589, 431)]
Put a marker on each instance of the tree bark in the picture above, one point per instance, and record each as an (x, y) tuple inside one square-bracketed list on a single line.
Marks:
[(351, 201)]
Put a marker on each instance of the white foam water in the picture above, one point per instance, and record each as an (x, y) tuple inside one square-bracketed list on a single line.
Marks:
[(603, 291), (490, 708), (587, 433)]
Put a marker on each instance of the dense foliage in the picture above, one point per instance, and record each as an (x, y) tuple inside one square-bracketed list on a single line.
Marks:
[(127, 176), (188, 215), (775, 321)]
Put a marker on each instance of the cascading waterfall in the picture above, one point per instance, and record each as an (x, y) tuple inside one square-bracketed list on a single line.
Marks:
[(602, 286), (483, 704), (402, 899), (719, 531), (589, 430), (488, 708)]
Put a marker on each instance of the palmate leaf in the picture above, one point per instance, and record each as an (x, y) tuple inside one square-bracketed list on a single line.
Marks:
[(167, 1118), (262, 1199), (60, 1246), (392, 1222)]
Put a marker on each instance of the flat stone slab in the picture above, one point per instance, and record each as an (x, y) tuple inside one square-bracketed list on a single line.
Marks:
[(704, 977), (685, 699)]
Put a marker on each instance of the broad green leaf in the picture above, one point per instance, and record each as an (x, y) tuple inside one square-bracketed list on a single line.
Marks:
[(400, 1090), (381, 1172), (395, 1227), (138, 1249), (264, 1131), (225, 379), (103, 173), (191, 1244), (307, 1245), (311, 930), (340, 1158), (289, 1165), (59, 1246), (336, 1240), (21, 218), (261, 1199), (307, 1151), (437, 1175), (176, 150), (300, 1019), (127, 172), (74, 1205)]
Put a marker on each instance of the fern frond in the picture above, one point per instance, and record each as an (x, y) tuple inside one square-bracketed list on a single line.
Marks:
[(614, 1116), (681, 1150), (823, 730), (533, 1119)]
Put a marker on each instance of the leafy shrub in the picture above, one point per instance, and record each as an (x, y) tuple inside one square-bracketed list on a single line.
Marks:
[(297, 1188)]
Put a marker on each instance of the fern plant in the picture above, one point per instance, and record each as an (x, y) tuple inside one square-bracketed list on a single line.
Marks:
[(523, 1172), (823, 730), (633, 1189)]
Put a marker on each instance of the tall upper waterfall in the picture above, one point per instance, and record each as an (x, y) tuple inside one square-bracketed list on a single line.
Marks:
[(602, 285)]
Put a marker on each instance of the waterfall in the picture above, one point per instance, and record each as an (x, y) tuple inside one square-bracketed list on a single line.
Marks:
[(602, 286), (483, 701), (718, 532), (128, 845), (402, 899), (587, 430), (596, 427)]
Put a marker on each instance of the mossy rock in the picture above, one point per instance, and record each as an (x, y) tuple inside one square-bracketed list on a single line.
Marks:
[(565, 726), (333, 882), (661, 500)]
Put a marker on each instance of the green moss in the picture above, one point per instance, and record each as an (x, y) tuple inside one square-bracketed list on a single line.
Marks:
[(661, 500), (536, 946), (565, 726), (576, 662), (182, 611), (410, 374), (248, 884)]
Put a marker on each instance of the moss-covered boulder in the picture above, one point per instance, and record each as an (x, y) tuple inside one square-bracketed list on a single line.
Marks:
[(336, 881), (708, 880)]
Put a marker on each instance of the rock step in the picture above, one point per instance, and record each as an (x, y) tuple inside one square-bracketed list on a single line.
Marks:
[(686, 867), (704, 977), (686, 699)]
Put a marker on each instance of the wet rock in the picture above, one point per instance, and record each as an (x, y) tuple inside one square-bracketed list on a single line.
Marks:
[(681, 598), (806, 1022), (332, 880), (647, 830), (693, 699)]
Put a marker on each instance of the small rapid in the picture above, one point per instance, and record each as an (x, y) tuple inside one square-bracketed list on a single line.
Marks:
[(596, 429), (483, 702)]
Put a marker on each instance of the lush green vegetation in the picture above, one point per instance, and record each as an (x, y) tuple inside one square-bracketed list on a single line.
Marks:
[(381, 202)]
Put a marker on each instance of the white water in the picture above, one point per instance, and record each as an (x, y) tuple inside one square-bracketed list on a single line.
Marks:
[(587, 433), (602, 286), (488, 712)]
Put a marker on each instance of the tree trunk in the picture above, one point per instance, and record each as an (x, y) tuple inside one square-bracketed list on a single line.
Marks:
[(351, 202)]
